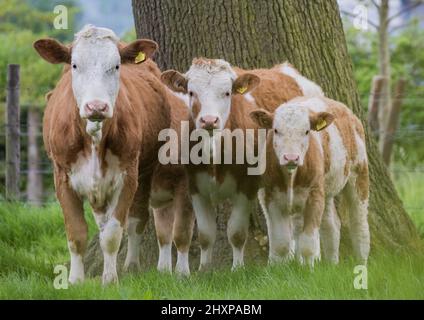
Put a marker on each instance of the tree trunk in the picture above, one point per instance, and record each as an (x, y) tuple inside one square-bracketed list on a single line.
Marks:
[(251, 34), (384, 66), (34, 182)]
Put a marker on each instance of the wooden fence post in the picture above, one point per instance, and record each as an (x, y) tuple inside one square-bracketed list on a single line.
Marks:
[(393, 121), (34, 178), (12, 133)]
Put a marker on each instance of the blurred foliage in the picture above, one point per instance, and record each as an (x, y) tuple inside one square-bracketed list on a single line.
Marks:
[(23, 22), (407, 61)]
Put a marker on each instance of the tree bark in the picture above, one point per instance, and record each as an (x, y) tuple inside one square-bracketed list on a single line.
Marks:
[(35, 181), (253, 34)]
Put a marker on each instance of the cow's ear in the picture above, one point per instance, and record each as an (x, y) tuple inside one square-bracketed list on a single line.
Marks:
[(174, 81), (245, 83), (53, 51), (321, 120), (262, 118), (138, 51)]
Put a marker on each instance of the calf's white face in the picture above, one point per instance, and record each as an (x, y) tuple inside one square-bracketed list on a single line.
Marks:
[(95, 58), (291, 125), (210, 84)]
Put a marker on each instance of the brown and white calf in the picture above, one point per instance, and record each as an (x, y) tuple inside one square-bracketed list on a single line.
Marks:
[(100, 129), (221, 97), (315, 152)]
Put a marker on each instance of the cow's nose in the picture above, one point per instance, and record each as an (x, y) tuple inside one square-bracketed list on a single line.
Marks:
[(291, 158), (209, 122), (96, 110)]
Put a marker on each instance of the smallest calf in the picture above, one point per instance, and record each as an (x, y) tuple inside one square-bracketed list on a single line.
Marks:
[(315, 152)]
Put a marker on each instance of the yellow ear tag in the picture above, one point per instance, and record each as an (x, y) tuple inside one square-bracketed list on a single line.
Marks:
[(321, 125), (140, 57), (242, 90)]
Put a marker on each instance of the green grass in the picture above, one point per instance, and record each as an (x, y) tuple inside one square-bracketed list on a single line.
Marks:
[(32, 242)]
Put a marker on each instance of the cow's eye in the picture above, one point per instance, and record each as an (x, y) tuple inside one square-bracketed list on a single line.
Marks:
[(275, 131), (227, 94), (307, 132), (74, 66), (117, 67), (190, 93)]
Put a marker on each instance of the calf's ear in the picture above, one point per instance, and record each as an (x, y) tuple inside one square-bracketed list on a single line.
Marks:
[(245, 83), (53, 51), (262, 118), (138, 51), (321, 120), (174, 81)]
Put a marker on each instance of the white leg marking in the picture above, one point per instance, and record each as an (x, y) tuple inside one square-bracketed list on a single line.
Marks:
[(182, 267), (358, 222), (280, 233), (165, 258), (330, 232), (110, 239), (237, 228), (206, 223), (76, 273), (309, 247), (132, 261)]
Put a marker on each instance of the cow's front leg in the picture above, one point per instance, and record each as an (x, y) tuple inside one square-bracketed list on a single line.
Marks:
[(238, 227), (309, 243), (75, 225), (206, 224), (111, 235)]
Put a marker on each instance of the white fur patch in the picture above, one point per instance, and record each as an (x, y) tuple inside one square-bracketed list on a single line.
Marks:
[(76, 274), (165, 258), (309, 88), (182, 266), (110, 240), (86, 178)]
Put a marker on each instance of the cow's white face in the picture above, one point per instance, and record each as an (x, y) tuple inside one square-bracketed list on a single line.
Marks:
[(291, 125), (95, 58), (95, 75), (210, 85)]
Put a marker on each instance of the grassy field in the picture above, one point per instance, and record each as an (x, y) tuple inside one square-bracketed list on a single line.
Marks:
[(32, 242)]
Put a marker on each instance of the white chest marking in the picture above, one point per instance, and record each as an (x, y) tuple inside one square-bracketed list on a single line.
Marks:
[(215, 191), (89, 180)]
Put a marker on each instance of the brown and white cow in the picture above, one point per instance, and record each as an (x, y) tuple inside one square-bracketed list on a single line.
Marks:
[(221, 97), (315, 152), (100, 129)]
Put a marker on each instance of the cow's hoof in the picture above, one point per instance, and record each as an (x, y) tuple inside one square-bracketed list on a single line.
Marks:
[(205, 268), (109, 278), (182, 272), (76, 279), (132, 267)]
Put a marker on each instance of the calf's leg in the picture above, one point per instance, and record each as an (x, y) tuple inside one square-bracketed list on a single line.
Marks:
[(206, 222), (330, 232), (238, 227)]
